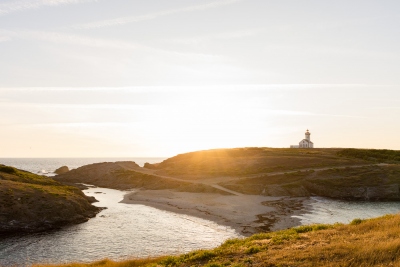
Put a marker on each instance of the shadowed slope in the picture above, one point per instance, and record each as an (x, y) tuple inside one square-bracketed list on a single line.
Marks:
[(373, 182), (128, 175), (29, 202)]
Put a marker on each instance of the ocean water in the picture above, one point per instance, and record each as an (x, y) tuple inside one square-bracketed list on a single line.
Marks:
[(49, 165)]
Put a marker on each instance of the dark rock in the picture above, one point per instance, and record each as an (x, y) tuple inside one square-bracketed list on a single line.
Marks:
[(150, 166), (62, 170), (91, 199)]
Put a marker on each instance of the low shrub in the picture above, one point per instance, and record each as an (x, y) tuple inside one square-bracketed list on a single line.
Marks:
[(356, 221)]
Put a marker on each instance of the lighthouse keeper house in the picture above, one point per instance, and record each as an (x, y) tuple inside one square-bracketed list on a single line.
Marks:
[(305, 143)]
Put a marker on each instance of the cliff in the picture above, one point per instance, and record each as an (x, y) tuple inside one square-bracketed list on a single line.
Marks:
[(30, 203), (373, 182)]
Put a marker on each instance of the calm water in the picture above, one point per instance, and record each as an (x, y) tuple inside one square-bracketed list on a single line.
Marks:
[(323, 210), (119, 232)]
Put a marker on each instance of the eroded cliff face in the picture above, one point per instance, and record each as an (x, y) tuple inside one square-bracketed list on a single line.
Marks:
[(30, 203), (384, 192), (359, 183)]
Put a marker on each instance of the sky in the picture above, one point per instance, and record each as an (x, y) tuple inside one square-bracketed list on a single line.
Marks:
[(129, 78)]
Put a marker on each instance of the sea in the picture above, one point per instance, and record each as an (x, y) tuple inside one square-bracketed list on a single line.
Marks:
[(126, 231)]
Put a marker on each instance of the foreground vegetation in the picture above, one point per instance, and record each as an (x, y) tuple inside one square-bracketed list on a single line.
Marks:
[(373, 242), (30, 202)]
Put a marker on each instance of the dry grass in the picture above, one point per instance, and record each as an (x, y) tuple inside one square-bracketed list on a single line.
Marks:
[(374, 242), (250, 161)]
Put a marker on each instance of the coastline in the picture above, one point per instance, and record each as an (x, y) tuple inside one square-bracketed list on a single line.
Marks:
[(247, 214)]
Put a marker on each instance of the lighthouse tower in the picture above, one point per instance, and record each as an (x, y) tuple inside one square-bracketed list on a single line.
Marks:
[(308, 135)]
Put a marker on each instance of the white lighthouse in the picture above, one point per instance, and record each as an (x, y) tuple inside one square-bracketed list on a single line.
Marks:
[(306, 142)]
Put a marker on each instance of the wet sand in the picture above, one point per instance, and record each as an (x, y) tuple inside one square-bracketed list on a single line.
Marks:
[(247, 214)]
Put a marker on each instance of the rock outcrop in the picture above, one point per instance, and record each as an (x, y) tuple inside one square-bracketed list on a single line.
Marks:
[(62, 170)]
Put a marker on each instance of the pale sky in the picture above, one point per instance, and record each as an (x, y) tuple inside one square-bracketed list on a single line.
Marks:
[(126, 78)]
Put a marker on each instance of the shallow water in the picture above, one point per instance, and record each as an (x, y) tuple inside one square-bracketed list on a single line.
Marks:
[(119, 232), (324, 210)]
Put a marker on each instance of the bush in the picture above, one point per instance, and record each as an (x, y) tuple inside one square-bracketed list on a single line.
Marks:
[(356, 221), (309, 228), (252, 250), (7, 169), (375, 155), (203, 256), (170, 261)]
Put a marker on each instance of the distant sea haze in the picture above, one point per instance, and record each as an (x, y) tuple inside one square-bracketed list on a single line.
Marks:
[(49, 165)]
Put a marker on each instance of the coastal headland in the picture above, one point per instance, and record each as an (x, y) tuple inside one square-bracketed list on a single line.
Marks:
[(250, 189), (32, 203)]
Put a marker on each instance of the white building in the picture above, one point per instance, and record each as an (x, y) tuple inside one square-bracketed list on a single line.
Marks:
[(305, 143)]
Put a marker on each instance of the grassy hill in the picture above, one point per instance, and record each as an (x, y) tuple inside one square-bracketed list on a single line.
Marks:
[(29, 202), (253, 161), (374, 242)]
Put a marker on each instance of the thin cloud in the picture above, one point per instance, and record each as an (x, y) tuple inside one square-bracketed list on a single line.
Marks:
[(16, 6), (150, 16), (62, 38), (307, 113), (81, 40)]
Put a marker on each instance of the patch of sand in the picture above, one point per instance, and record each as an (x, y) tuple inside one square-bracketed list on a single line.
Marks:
[(247, 214)]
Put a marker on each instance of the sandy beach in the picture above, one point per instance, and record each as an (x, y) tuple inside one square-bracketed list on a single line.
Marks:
[(247, 214)]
